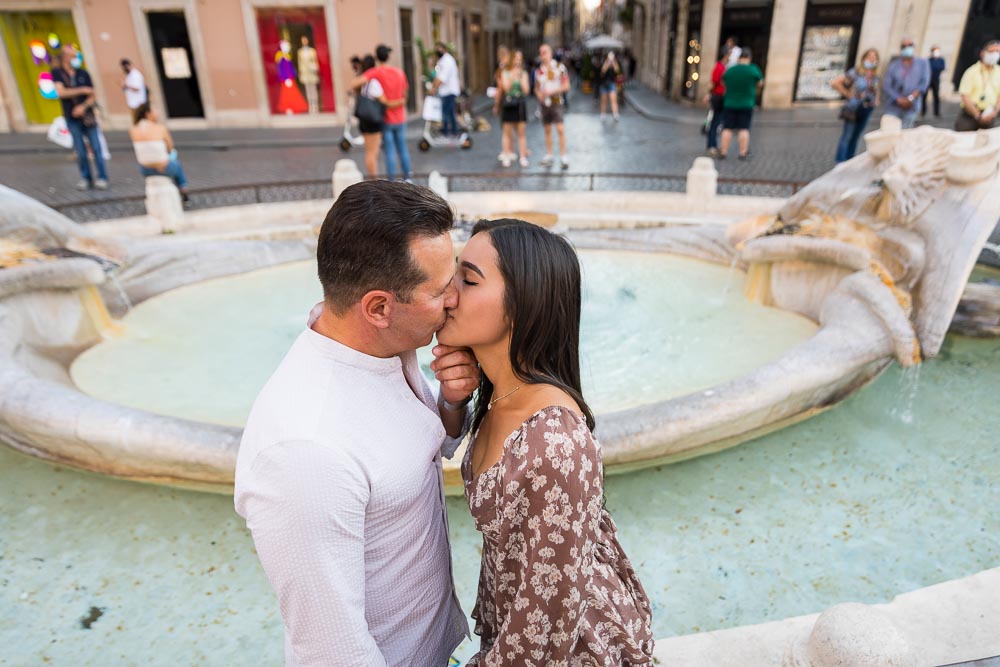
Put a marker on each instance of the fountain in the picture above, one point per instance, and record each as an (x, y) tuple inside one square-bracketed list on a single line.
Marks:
[(876, 254)]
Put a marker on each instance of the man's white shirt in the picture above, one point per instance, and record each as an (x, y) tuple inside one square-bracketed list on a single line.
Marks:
[(447, 71), (340, 481), (135, 79)]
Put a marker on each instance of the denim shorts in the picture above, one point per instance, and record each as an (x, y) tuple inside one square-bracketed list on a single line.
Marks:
[(608, 88)]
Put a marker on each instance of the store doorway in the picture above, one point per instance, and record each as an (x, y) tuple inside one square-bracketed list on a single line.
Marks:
[(406, 46), (175, 64), (750, 26)]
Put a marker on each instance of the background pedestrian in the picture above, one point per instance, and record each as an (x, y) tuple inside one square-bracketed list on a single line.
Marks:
[(75, 89), (906, 79), (937, 65), (743, 80), (716, 99), (514, 87), (980, 91), (610, 70), (133, 84), (859, 87)]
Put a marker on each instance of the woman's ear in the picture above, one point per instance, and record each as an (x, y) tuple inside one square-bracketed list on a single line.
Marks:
[(377, 306)]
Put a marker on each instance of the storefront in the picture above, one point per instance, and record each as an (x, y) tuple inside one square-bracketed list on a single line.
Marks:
[(829, 48), (748, 22), (295, 52), (32, 41)]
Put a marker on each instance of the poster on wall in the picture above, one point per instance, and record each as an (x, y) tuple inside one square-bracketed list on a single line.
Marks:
[(825, 53), (296, 59), (175, 63), (33, 41)]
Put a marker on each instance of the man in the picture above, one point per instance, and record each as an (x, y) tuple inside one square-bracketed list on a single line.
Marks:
[(551, 86), (980, 91), (937, 65), (448, 87), (742, 82), (394, 87), (76, 93), (133, 84), (339, 471), (906, 79), (734, 51)]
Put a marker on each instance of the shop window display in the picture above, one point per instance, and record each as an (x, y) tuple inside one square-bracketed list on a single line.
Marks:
[(32, 40), (296, 58)]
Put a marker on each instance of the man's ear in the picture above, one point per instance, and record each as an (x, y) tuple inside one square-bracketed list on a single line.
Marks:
[(377, 307)]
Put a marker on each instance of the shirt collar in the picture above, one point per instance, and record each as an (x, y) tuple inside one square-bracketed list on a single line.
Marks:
[(348, 355)]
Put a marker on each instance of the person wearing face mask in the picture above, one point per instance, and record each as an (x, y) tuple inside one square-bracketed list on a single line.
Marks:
[(860, 90), (980, 91), (936, 63), (906, 79), (446, 86)]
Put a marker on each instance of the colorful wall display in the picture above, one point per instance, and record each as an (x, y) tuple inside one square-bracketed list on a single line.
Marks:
[(296, 57), (32, 40)]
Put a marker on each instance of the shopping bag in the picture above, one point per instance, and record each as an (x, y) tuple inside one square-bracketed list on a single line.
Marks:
[(59, 133), (432, 109), (105, 153)]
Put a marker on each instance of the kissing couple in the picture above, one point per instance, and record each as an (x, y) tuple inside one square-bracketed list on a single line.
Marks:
[(339, 473)]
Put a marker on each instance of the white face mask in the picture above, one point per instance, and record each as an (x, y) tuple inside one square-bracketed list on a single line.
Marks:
[(992, 57), (936, 53)]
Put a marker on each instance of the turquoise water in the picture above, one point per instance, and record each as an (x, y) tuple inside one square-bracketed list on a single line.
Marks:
[(892, 490), (203, 352)]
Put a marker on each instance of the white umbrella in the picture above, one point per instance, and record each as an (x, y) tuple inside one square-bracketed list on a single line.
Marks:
[(603, 42)]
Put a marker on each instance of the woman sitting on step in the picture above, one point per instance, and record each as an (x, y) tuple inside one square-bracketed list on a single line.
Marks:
[(154, 148)]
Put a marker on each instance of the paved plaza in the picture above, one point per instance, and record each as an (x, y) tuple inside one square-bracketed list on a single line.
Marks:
[(654, 136)]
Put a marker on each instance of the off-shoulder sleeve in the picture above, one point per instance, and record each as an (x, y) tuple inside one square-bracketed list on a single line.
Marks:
[(552, 498)]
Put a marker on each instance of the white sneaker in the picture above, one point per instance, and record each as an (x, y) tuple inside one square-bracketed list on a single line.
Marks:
[(524, 162), (565, 162), (616, 118), (547, 160), (83, 184), (101, 184), (505, 161), (604, 117)]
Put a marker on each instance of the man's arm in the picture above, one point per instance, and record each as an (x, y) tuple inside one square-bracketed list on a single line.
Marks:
[(305, 506)]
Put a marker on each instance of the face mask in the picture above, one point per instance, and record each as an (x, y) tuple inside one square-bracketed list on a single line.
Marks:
[(870, 65), (936, 53), (992, 58), (907, 51)]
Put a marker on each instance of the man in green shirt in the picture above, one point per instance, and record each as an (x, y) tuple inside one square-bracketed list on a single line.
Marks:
[(743, 80)]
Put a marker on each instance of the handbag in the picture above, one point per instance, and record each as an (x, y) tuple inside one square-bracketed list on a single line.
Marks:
[(369, 110), (511, 103)]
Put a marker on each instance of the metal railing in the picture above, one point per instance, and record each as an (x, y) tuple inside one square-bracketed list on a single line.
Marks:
[(302, 190)]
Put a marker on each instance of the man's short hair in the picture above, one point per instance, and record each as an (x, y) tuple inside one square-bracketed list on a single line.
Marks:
[(382, 53), (989, 43), (125, 61), (745, 52), (364, 243)]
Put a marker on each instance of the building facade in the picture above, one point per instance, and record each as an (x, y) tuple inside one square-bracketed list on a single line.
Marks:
[(800, 45), (233, 63)]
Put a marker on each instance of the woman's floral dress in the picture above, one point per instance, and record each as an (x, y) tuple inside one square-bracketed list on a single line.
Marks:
[(555, 587)]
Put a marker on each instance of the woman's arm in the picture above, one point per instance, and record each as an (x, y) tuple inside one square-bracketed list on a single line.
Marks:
[(167, 139), (840, 85)]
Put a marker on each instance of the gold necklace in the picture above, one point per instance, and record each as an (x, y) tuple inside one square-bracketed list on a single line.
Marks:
[(489, 406)]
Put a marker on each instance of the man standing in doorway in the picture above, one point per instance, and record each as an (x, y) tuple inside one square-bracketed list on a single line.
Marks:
[(937, 65), (980, 90), (133, 84), (448, 87), (551, 86), (394, 87), (906, 79), (76, 93), (742, 81)]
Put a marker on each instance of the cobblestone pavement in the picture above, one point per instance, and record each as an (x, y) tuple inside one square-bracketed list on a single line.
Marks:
[(653, 136)]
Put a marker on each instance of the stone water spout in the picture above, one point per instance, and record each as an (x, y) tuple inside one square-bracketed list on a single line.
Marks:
[(890, 229)]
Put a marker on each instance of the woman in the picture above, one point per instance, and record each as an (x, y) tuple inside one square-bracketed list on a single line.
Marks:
[(506, 140), (609, 88), (372, 132), (154, 148), (716, 98), (514, 87), (554, 583), (859, 87)]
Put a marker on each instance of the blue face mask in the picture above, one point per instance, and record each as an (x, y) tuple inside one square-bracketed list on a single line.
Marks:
[(907, 51), (870, 65)]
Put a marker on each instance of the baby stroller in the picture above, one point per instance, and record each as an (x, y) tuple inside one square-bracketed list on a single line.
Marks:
[(352, 128)]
